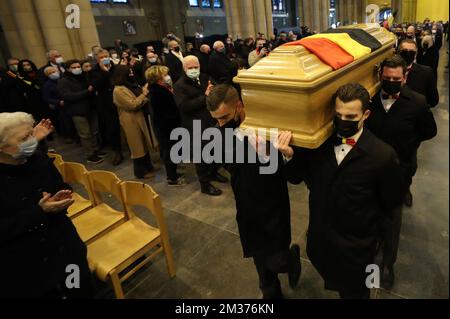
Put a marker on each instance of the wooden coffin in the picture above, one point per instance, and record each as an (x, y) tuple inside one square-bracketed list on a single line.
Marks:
[(291, 89)]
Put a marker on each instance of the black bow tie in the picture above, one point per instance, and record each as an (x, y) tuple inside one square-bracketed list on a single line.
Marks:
[(393, 97), (344, 141)]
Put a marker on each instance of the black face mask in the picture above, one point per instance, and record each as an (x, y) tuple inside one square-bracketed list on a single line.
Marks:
[(410, 37), (177, 49), (233, 123), (345, 128), (408, 56), (392, 87)]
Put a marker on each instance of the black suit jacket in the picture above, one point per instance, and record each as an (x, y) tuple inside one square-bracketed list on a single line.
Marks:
[(405, 126), (204, 62), (421, 80), (347, 205), (175, 67), (222, 70), (263, 211), (191, 101), (429, 57)]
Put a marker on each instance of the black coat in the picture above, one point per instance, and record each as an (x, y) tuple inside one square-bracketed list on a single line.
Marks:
[(421, 80), (175, 66), (101, 80), (263, 212), (429, 57), (36, 246), (221, 69), (347, 205), (204, 62), (166, 116), (74, 91), (50, 93), (405, 126), (13, 94), (191, 101)]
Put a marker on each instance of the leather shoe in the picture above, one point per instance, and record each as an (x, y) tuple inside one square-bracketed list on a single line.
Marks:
[(295, 266), (219, 178), (408, 199), (118, 159), (388, 278), (210, 190)]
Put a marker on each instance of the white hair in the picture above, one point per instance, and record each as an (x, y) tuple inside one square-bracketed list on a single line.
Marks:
[(50, 52), (428, 39), (217, 44), (10, 121), (190, 58), (47, 69)]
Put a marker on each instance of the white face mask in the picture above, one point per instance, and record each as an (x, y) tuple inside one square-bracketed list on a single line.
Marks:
[(59, 60), (168, 80), (77, 71), (193, 74), (114, 56), (26, 149), (54, 76), (152, 60)]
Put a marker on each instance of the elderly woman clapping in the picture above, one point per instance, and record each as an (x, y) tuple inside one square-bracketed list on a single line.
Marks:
[(38, 241)]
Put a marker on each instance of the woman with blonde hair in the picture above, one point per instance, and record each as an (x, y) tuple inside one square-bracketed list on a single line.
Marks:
[(131, 99), (166, 117)]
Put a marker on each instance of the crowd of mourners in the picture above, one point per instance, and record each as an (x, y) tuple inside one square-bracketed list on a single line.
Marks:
[(358, 180)]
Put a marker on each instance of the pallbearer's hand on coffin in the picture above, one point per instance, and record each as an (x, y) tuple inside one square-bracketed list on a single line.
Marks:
[(260, 144), (284, 139)]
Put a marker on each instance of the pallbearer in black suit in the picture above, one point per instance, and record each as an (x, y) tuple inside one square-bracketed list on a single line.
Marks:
[(420, 78), (401, 118), (354, 182), (262, 200)]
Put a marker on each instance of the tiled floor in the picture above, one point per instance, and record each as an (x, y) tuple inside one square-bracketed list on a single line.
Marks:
[(208, 255)]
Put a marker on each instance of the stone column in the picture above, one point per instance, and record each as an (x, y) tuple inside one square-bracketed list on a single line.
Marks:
[(269, 18), (396, 6), (409, 10), (315, 14), (34, 27), (248, 17), (88, 35), (12, 35), (29, 31)]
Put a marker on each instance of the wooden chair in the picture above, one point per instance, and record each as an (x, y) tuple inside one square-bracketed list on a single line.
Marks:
[(102, 218), (115, 252), (57, 161), (74, 173)]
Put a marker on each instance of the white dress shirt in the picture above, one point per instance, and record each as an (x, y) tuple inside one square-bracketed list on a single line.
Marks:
[(387, 104), (342, 151)]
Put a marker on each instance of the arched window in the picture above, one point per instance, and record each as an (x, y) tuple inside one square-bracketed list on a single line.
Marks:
[(385, 13), (279, 6)]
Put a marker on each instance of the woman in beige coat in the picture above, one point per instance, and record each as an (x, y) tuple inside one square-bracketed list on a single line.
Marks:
[(130, 99)]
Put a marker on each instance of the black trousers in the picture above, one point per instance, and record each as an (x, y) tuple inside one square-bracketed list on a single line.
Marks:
[(392, 226), (391, 237), (205, 171), (110, 127), (268, 268), (165, 146)]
